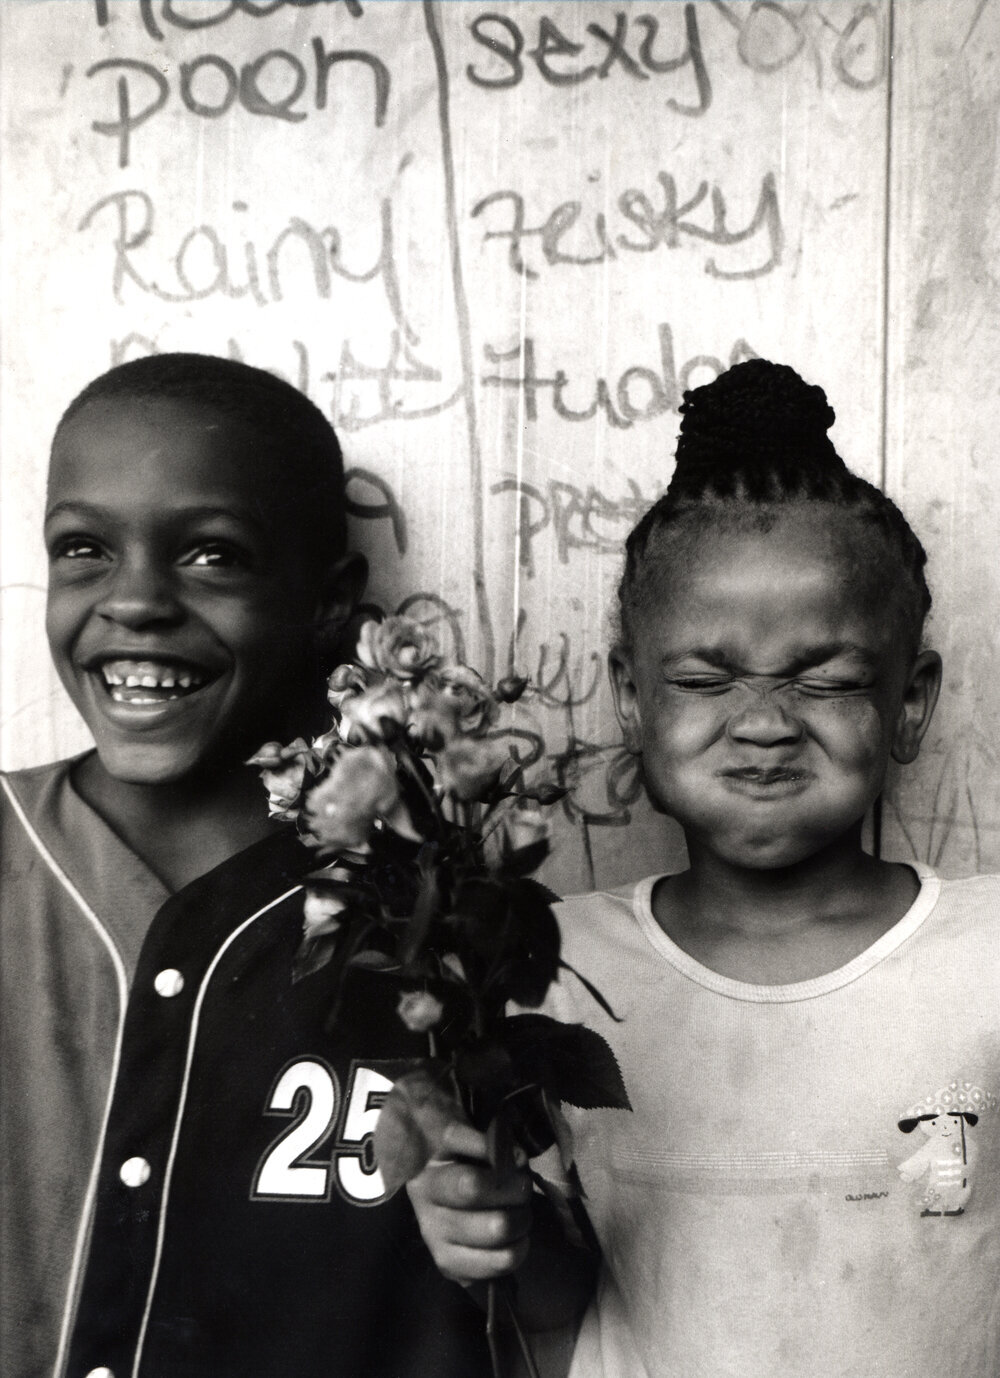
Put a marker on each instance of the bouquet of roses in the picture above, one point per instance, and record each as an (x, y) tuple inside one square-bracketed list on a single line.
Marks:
[(427, 835)]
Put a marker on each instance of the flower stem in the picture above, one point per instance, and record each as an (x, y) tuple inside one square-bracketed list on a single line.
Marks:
[(496, 1363), (522, 1339), (405, 759)]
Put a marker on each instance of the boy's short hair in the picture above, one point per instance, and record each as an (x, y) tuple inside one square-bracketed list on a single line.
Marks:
[(287, 424)]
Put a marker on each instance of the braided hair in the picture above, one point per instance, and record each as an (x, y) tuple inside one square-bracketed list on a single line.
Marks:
[(277, 421), (752, 441)]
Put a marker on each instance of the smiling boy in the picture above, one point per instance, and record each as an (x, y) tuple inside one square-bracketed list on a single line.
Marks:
[(190, 1187)]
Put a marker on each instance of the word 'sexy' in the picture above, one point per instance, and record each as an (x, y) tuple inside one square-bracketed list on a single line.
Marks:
[(554, 54)]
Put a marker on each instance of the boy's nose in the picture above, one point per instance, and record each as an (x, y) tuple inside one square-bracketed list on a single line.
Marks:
[(764, 720), (139, 594)]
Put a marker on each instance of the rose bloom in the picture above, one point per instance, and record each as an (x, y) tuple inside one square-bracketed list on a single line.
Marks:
[(477, 708), (467, 768), (433, 718), (361, 787), (399, 647), (284, 775), (419, 1010), (327, 747), (362, 717), (345, 682)]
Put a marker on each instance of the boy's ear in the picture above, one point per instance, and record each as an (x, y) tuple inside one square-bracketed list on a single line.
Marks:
[(626, 699), (917, 708), (341, 592)]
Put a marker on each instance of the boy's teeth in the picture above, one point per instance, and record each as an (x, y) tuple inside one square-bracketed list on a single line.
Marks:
[(145, 674)]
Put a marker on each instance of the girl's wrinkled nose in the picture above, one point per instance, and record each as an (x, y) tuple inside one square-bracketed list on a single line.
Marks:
[(762, 719)]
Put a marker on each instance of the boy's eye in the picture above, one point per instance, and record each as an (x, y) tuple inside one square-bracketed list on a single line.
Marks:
[(217, 555), (76, 548)]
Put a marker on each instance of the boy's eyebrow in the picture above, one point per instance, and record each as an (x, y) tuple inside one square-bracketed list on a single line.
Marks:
[(93, 512)]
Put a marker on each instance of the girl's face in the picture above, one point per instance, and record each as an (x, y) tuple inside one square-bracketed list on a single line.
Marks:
[(768, 685)]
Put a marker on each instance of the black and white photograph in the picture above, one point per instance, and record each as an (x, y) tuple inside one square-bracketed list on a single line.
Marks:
[(499, 688)]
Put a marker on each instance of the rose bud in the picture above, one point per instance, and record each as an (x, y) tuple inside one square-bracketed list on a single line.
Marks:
[(419, 1010), (510, 688), (319, 913)]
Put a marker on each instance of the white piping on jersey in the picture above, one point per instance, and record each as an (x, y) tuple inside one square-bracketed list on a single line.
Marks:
[(171, 1157), (121, 980)]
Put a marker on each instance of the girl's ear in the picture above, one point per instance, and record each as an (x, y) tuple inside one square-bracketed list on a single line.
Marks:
[(340, 593), (919, 698), (623, 689)]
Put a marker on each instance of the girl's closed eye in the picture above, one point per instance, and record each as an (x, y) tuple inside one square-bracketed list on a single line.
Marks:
[(830, 688), (707, 683)]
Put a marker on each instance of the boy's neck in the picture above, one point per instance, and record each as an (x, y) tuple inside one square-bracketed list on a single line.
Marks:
[(180, 831), (775, 927)]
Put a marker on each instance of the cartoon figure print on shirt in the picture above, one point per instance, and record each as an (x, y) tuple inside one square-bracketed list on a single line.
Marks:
[(946, 1159)]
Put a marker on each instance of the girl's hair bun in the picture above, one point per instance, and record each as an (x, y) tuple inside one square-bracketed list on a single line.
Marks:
[(757, 417)]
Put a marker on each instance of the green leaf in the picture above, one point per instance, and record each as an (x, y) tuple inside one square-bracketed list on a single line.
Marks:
[(545, 793), (373, 960), (569, 1061), (313, 955), (424, 911), (542, 891), (523, 860), (412, 1125)]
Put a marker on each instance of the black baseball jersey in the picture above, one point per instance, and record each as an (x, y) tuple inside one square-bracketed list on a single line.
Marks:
[(241, 1229)]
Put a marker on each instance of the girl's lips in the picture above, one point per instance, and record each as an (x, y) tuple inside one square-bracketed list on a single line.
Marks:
[(760, 782), (764, 775)]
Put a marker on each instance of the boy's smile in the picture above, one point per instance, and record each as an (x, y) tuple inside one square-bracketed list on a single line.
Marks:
[(179, 613), (767, 687)]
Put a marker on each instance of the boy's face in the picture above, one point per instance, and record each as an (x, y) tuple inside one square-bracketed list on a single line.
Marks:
[(768, 686), (179, 613)]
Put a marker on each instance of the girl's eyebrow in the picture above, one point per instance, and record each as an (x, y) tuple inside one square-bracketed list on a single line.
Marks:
[(808, 657)]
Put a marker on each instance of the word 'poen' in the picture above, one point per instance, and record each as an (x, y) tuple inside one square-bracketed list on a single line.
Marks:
[(272, 85)]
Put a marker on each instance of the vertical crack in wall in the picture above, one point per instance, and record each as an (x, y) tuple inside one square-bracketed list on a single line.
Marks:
[(431, 20)]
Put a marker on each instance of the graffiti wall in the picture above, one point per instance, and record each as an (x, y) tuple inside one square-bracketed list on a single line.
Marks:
[(495, 242)]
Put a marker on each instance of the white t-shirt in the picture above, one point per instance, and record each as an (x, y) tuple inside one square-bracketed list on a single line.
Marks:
[(762, 1212)]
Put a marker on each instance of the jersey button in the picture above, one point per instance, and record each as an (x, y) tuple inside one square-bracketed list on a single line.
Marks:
[(133, 1172), (168, 982)]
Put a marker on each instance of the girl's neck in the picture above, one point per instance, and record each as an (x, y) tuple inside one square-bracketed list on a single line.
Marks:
[(784, 925), (179, 830)]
